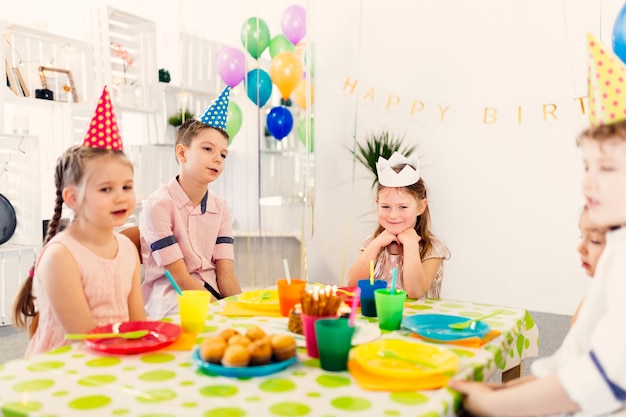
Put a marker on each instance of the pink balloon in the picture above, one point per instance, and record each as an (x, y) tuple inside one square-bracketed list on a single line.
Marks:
[(231, 65), (293, 23)]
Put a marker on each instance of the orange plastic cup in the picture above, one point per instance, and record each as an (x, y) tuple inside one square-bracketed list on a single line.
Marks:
[(289, 294)]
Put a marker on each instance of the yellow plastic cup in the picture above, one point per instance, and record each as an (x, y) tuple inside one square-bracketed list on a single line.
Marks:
[(193, 306)]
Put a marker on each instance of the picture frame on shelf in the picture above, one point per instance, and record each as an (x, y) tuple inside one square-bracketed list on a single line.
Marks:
[(66, 90), (21, 82), (15, 81)]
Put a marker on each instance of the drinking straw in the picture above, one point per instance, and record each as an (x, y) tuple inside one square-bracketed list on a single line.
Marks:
[(393, 280), (286, 266), (173, 282), (355, 299), (371, 272)]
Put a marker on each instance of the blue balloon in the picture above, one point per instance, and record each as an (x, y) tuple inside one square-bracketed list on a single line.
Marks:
[(619, 34), (258, 86), (279, 122)]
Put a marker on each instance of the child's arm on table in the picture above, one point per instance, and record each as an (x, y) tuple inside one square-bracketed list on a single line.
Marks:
[(61, 280), (536, 397), (226, 280), (361, 267)]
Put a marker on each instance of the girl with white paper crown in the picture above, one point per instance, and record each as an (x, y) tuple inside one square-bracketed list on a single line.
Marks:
[(185, 228), (587, 374), (402, 239), (86, 275)]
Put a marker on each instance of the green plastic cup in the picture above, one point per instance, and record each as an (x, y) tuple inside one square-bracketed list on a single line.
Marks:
[(389, 307), (334, 340)]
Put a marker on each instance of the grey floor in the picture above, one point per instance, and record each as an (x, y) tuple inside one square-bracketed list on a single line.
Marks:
[(552, 330)]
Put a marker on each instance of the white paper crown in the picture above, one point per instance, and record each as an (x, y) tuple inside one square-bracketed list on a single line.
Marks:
[(387, 177)]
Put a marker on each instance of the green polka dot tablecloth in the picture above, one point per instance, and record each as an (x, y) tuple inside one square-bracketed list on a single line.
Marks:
[(75, 381)]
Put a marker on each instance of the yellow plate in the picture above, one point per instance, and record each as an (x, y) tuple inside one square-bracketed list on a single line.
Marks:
[(374, 382), (421, 359), (260, 299)]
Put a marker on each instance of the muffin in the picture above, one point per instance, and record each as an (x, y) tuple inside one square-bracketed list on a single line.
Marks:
[(295, 320), (239, 339), (255, 333), (260, 352), (228, 333), (212, 349), (283, 347), (236, 356)]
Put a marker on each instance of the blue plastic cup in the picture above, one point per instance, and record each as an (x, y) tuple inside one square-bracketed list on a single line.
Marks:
[(368, 303)]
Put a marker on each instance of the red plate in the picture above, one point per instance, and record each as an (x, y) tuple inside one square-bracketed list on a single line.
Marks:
[(161, 334), (348, 299)]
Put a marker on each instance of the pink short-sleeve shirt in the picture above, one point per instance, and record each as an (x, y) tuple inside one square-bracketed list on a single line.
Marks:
[(172, 229)]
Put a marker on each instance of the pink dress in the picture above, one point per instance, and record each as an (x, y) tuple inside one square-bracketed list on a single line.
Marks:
[(107, 284)]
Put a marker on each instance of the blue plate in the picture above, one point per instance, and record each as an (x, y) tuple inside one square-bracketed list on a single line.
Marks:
[(435, 327), (248, 371)]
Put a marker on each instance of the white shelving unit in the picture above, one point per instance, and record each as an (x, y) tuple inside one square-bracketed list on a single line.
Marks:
[(75, 71), (20, 183), (114, 30)]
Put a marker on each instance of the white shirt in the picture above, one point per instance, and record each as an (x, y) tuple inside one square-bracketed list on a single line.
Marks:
[(591, 362)]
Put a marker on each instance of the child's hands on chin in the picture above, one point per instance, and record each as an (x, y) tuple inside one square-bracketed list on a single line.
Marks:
[(385, 238), (408, 236)]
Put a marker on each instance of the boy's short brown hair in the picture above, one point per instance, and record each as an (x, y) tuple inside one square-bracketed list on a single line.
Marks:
[(604, 132), (191, 128)]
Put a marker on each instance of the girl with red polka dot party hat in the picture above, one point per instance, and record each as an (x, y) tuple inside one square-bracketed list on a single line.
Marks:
[(86, 275), (587, 374)]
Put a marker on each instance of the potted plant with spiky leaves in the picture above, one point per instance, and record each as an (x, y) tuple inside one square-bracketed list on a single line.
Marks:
[(378, 144)]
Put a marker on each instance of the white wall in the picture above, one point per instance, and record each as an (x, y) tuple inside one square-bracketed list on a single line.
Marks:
[(504, 196)]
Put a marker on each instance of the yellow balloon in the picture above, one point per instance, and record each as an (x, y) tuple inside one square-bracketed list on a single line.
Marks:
[(300, 93), (286, 72)]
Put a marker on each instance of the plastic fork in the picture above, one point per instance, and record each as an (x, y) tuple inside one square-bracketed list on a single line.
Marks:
[(390, 354), (466, 324), (137, 334)]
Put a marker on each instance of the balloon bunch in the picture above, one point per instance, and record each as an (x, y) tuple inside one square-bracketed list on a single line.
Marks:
[(286, 73)]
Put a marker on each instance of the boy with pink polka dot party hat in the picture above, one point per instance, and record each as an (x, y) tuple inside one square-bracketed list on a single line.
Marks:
[(587, 375)]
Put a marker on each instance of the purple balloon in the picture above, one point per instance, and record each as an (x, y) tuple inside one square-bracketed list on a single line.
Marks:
[(231, 65), (293, 23)]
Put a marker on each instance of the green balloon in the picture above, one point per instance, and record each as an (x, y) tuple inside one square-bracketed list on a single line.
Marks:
[(304, 124), (255, 36), (280, 43), (233, 120)]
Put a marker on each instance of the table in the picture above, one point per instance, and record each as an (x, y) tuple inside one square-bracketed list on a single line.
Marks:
[(75, 381)]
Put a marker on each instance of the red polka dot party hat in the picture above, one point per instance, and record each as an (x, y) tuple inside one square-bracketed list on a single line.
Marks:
[(103, 131), (607, 85)]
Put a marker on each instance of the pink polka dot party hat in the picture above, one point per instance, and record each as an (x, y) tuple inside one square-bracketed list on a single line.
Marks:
[(103, 132), (607, 85)]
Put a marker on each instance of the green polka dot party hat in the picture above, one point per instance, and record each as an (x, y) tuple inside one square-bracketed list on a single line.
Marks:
[(215, 115)]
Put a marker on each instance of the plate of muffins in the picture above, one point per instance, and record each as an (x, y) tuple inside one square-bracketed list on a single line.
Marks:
[(235, 353)]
